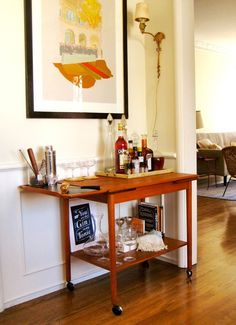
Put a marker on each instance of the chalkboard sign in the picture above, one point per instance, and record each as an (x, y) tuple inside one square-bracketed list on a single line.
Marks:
[(82, 223)]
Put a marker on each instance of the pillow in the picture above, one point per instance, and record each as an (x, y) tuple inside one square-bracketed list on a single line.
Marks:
[(204, 143), (207, 144), (214, 146)]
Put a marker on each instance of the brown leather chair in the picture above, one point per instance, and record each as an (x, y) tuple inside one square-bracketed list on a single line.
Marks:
[(229, 154)]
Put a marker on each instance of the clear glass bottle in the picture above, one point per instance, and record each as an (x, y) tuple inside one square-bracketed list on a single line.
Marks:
[(97, 245), (109, 157), (124, 124)]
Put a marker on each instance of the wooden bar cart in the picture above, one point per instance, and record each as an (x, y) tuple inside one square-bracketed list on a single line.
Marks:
[(112, 190)]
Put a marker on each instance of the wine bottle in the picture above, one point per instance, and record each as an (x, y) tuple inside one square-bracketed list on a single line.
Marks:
[(147, 153), (120, 151)]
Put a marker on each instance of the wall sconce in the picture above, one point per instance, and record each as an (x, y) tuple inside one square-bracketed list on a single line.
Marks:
[(142, 16)]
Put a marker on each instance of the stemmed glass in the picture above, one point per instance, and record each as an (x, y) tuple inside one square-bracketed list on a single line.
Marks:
[(130, 238), (71, 166), (89, 163), (119, 237), (74, 165), (104, 248)]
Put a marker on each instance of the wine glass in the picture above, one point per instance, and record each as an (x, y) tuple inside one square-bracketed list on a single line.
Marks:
[(104, 248), (74, 165), (119, 243), (89, 163)]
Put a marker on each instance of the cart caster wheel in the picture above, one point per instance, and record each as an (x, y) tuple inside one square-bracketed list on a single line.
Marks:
[(145, 264), (189, 273), (117, 310), (70, 286)]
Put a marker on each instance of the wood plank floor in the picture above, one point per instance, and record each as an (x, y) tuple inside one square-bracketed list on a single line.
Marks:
[(158, 295)]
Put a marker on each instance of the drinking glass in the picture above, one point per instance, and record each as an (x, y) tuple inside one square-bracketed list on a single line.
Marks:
[(119, 235), (130, 238), (74, 165), (104, 248), (89, 163)]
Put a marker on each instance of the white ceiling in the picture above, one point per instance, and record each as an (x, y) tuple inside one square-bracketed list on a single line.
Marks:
[(215, 23)]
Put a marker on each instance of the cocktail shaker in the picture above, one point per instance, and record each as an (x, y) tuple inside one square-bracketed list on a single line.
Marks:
[(51, 172)]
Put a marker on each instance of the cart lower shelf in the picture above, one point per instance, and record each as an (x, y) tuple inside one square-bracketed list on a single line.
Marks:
[(171, 243)]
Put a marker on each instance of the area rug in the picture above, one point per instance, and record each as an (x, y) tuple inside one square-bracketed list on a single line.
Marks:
[(216, 191)]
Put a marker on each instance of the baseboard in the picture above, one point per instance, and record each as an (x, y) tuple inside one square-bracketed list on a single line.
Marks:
[(49, 290)]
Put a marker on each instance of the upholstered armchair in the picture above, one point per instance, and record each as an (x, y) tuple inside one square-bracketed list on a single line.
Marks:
[(219, 166)]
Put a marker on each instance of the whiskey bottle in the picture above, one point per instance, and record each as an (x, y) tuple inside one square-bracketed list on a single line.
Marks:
[(147, 153), (120, 151)]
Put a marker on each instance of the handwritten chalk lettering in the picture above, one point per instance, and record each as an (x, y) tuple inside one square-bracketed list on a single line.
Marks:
[(84, 233), (82, 223)]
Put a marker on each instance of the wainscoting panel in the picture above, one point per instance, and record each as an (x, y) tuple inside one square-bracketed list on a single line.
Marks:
[(31, 243)]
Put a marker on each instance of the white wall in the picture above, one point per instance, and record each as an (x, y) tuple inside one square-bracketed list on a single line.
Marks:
[(70, 137), (23, 276), (215, 89)]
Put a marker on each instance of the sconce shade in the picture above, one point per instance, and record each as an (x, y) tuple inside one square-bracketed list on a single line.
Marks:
[(199, 121), (142, 12)]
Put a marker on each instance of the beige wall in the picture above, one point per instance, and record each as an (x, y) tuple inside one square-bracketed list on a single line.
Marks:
[(160, 96), (215, 89)]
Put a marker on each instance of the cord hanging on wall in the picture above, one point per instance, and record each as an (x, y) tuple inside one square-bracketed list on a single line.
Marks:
[(142, 16)]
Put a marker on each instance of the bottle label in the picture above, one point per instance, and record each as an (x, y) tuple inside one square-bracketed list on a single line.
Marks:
[(136, 166), (122, 158), (149, 162)]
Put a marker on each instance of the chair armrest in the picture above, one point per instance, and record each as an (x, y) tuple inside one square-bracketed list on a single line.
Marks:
[(209, 153), (220, 166)]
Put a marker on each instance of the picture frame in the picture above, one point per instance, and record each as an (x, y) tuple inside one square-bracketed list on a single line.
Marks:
[(76, 64)]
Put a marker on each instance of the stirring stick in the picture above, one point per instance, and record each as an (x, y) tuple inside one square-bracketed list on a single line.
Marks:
[(33, 161), (26, 160)]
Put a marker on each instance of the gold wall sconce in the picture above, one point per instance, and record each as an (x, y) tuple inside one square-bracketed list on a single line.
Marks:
[(142, 16)]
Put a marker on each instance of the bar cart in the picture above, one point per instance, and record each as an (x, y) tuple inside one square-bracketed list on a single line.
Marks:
[(113, 190)]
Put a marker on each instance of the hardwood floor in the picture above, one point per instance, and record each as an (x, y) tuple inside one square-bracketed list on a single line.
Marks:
[(158, 295)]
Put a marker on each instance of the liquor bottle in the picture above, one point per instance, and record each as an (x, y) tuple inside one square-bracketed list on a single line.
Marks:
[(130, 150), (109, 159), (141, 160), (135, 161), (120, 151), (147, 153), (158, 159)]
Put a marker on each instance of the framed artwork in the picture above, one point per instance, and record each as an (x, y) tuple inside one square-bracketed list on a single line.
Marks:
[(76, 58)]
